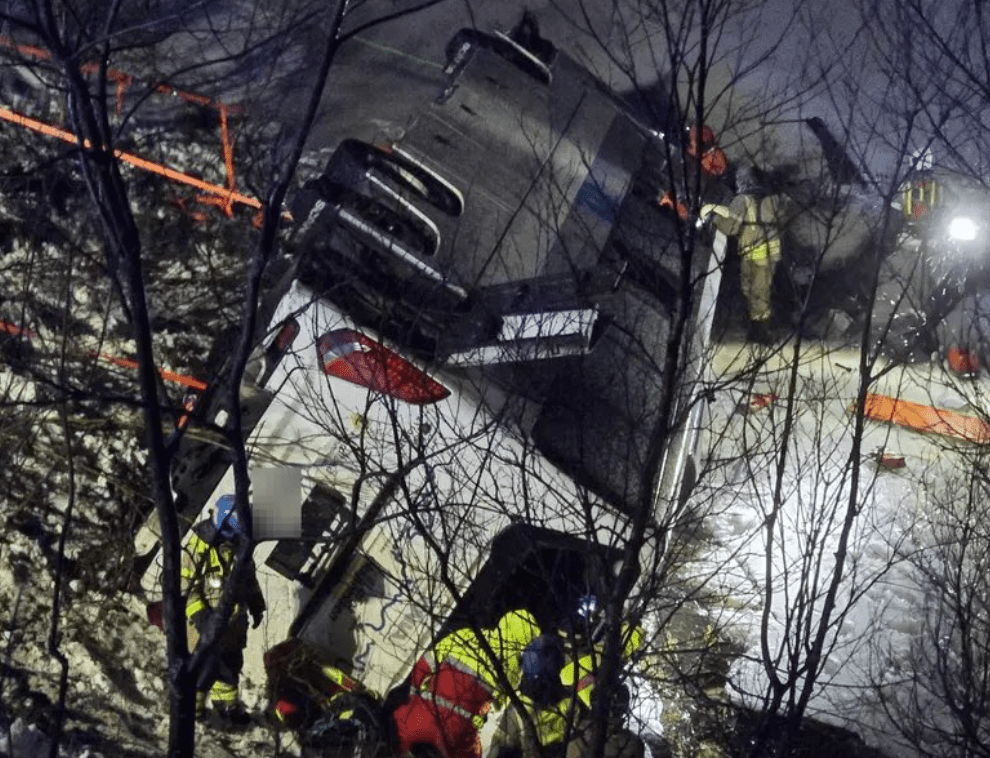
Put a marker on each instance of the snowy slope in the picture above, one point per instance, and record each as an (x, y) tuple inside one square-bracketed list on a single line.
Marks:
[(882, 593)]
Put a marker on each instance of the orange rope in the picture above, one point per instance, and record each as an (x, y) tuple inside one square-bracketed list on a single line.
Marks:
[(134, 160), (15, 330), (228, 150), (34, 52), (123, 81), (169, 376)]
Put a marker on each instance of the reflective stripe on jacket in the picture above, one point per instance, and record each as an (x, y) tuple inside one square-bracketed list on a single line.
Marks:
[(762, 252), (758, 238), (205, 570), (460, 655), (754, 223), (579, 678), (454, 686)]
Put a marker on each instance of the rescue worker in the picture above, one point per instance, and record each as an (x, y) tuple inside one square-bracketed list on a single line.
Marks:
[(579, 677), (207, 562), (569, 719), (753, 218), (453, 687), (712, 162)]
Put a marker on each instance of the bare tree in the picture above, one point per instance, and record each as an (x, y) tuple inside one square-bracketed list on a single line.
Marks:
[(930, 678), (80, 55), (803, 470), (416, 480)]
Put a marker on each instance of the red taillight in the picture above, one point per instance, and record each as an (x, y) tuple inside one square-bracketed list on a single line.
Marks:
[(349, 355), (286, 335)]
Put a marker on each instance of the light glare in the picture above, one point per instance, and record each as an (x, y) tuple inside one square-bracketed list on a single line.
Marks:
[(963, 229)]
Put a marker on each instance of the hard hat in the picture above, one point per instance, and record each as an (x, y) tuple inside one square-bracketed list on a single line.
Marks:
[(714, 162), (228, 525)]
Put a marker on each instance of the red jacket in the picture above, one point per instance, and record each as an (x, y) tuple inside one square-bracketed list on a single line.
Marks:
[(451, 698), (446, 708)]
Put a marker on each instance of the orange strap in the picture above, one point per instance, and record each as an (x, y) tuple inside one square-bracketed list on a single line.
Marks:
[(926, 418)]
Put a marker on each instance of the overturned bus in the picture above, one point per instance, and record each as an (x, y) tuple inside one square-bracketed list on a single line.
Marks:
[(467, 367)]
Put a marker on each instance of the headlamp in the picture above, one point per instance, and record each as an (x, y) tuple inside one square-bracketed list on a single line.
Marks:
[(587, 604)]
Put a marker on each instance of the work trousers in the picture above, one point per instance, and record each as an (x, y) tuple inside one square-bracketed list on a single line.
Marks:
[(756, 277), (223, 669), (620, 743)]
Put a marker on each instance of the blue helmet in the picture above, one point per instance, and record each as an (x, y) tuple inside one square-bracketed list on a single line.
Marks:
[(228, 527)]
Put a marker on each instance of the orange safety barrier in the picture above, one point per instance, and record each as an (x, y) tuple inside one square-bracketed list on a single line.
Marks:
[(14, 330), (168, 376), (926, 418), (223, 194), (123, 81)]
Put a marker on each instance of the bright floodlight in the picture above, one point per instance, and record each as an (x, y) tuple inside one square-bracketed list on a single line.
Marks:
[(963, 229)]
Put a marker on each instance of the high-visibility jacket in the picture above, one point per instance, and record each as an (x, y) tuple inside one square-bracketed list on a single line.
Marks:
[(455, 685), (578, 676), (754, 222), (921, 196), (205, 569), (458, 665)]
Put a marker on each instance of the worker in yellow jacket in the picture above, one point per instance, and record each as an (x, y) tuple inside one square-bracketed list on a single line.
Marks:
[(206, 566), (562, 715), (754, 220)]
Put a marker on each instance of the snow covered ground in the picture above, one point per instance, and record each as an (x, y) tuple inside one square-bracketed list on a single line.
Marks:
[(882, 600), (116, 693), (116, 658)]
